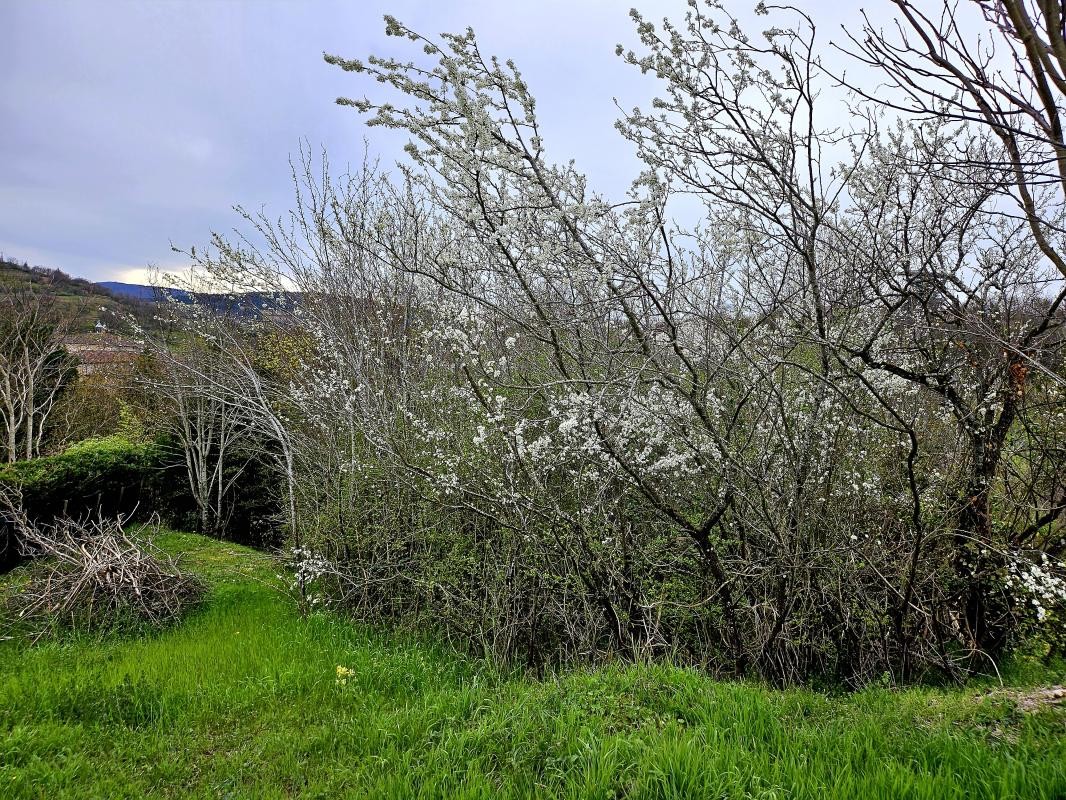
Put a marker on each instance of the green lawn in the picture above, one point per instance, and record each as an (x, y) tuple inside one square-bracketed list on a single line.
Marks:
[(241, 700)]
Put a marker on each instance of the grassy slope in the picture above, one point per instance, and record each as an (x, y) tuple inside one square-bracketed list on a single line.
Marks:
[(240, 700), (75, 294)]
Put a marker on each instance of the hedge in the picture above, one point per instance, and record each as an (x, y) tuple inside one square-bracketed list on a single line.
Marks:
[(113, 475), (108, 476)]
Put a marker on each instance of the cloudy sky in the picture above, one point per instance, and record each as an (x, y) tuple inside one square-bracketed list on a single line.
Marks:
[(129, 125)]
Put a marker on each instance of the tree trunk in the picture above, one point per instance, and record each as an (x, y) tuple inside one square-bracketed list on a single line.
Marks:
[(976, 530)]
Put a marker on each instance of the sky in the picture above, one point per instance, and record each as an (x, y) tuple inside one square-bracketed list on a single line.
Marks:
[(130, 126)]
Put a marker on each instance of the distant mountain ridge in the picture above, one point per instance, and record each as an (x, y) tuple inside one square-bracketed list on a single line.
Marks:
[(107, 301), (139, 291), (135, 290), (244, 304)]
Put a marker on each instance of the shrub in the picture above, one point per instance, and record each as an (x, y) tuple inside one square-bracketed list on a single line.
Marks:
[(104, 477)]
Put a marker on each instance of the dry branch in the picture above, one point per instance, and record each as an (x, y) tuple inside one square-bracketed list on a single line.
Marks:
[(91, 574)]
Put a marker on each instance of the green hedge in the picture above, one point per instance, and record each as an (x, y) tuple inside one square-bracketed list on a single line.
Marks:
[(109, 476), (113, 475)]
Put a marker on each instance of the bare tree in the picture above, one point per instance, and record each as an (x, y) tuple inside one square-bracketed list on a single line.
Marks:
[(1000, 64), (215, 437), (34, 367)]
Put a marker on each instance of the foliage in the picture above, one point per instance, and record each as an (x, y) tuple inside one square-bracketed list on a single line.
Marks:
[(89, 409), (115, 476), (106, 477), (110, 474)]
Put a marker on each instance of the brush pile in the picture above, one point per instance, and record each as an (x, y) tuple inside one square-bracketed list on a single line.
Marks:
[(91, 574)]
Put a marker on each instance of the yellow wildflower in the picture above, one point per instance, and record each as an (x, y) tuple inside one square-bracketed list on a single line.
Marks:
[(343, 673)]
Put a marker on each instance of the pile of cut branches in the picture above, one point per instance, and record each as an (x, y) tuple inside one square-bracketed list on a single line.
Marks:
[(90, 574)]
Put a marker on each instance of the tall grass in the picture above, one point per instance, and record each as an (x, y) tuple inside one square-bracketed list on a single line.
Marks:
[(241, 700)]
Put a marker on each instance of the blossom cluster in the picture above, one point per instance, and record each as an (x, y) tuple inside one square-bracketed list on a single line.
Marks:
[(1035, 582), (308, 567)]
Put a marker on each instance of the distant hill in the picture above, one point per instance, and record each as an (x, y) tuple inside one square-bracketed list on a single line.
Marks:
[(95, 302), (134, 290), (243, 304), (112, 300), (139, 291)]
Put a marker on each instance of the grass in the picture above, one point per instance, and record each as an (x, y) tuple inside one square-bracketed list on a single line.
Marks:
[(240, 700)]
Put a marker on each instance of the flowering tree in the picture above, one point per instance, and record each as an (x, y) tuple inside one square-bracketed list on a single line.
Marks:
[(998, 64), (788, 441)]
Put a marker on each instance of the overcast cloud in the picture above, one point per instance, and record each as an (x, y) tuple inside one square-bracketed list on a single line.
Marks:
[(131, 125)]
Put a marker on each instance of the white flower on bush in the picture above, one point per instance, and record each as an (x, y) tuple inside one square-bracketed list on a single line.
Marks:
[(1036, 584), (308, 567)]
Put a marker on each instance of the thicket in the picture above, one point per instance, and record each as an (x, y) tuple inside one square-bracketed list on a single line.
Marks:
[(820, 433)]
